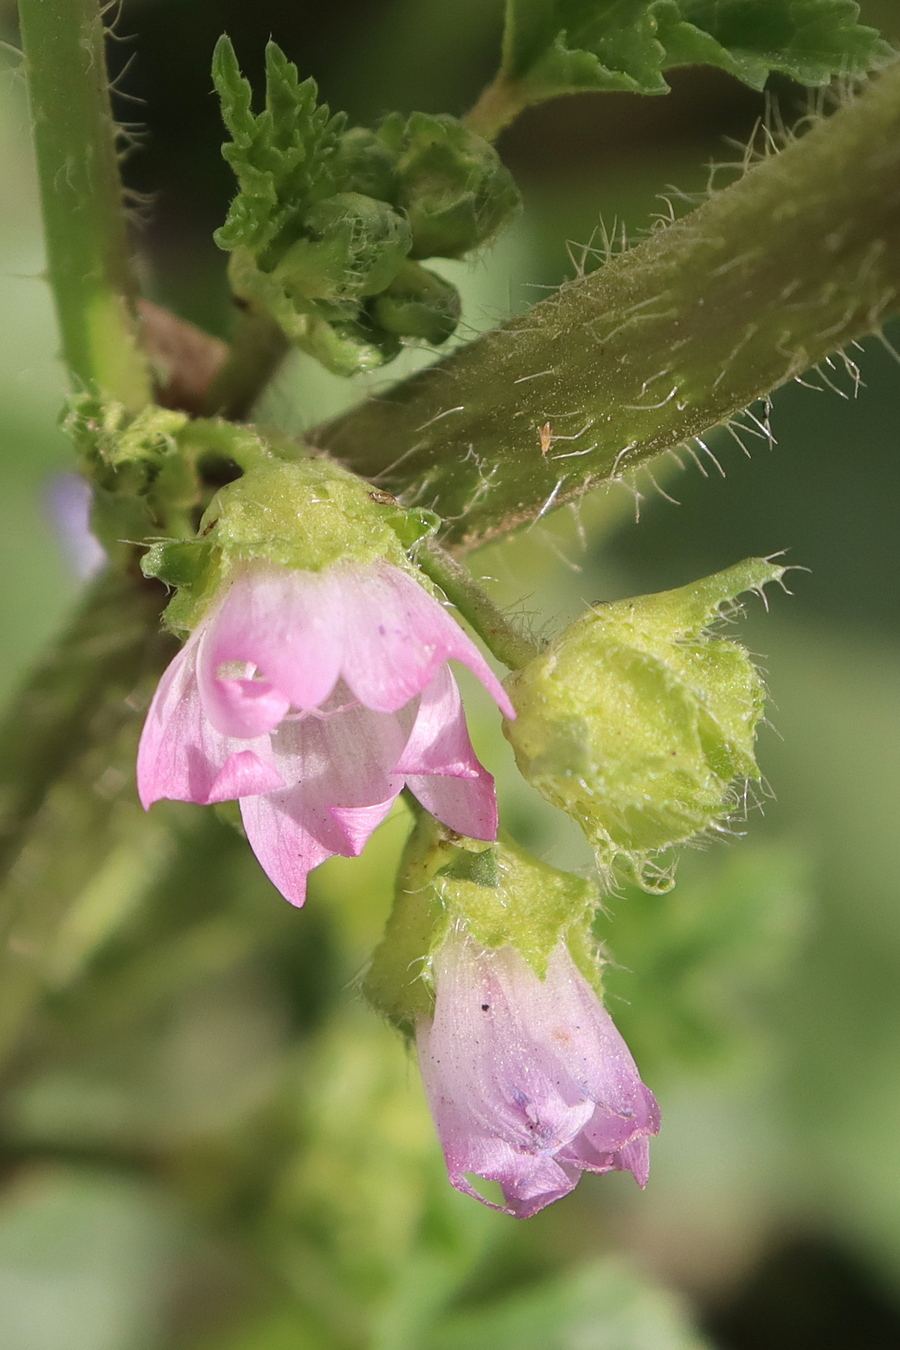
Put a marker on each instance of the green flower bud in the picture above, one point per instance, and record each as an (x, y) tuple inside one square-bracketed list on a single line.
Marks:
[(306, 514), (365, 164), (455, 189), (353, 247), (637, 721), (418, 304), (498, 893)]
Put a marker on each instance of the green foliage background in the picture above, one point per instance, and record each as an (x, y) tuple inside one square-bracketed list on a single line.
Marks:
[(209, 1144)]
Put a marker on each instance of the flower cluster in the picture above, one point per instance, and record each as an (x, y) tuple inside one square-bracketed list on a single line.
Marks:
[(313, 698)]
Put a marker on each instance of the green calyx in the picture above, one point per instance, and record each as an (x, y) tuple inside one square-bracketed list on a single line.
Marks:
[(141, 480), (306, 514), (637, 721), (327, 219), (498, 893), (452, 184)]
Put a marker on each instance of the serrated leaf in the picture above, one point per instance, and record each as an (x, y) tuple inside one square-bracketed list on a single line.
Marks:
[(282, 157), (562, 46), (810, 40), (556, 47)]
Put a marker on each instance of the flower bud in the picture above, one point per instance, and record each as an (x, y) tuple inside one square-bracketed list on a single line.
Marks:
[(455, 189), (499, 893), (366, 164), (418, 304), (353, 246), (488, 959), (528, 1080), (637, 720)]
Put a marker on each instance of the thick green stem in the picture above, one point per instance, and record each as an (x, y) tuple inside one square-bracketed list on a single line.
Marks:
[(765, 279), (501, 637), (87, 252), (84, 680), (88, 675), (67, 799)]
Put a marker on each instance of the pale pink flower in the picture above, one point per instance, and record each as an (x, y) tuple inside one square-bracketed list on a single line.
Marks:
[(313, 697), (528, 1080)]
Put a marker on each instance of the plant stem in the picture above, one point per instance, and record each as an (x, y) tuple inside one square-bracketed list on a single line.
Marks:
[(766, 278), (83, 682), (87, 251), (501, 637), (258, 348), (394, 982), (67, 801), (498, 105)]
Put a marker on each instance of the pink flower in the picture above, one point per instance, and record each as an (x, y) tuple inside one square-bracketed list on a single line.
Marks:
[(313, 697), (528, 1080)]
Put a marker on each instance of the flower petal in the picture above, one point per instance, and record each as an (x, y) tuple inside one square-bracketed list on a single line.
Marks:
[(397, 636), (340, 789), (244, 774), (286, 624), (285, 849), (440, 764), (510, 1069), (181, 755)]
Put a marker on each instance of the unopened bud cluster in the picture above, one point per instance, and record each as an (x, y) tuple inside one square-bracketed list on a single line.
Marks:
[(330, 224)]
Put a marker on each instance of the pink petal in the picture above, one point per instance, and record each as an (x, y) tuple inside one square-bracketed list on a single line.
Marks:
[(397, 635), (357, 823), (340, 789), (440, 765), (439, 739), (244, 775), (286, 851), (283, 622), (528, 1080), (181, 755)]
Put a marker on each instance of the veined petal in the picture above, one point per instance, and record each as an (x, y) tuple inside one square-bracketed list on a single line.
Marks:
[(509, 1066), (285, 624), (181, 755), (340, 788), (357, 823), (284, 848), (397, 636), (439, 739), (244, 774), (440, 765)]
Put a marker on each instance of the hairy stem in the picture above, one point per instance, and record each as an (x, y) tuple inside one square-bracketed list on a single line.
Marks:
[(765, 279), (500, 637), (87, 251), (68, 807), (498, 105), (86, 683)]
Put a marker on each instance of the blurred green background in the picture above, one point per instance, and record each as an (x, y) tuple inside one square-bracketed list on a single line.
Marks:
[(208, 1142)]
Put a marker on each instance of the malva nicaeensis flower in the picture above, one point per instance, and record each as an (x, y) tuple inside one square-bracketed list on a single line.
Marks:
[(313, 697), (528, 1080)]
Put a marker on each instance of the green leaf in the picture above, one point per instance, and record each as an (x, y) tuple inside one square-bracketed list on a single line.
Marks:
[(810, 40), (283, 158), (562, 46)]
